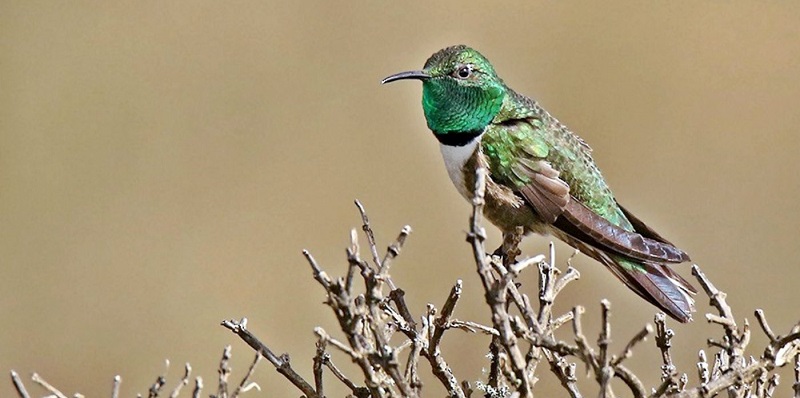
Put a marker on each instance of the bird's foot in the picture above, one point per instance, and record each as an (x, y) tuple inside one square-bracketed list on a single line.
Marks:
[(509, 250)]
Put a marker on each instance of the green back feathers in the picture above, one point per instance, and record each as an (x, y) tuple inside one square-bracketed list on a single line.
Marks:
[(525, 132)]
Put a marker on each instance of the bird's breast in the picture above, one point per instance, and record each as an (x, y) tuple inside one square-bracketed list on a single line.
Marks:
[(503, 207), (455, 160)]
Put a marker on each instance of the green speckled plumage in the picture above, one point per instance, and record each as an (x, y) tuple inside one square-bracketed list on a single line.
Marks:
[(541, 136), (541, 175)]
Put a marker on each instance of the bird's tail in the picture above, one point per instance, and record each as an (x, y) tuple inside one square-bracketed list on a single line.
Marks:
[(654, 282)]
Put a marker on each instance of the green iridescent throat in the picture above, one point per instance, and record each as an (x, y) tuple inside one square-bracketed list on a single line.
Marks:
[(452, 108)]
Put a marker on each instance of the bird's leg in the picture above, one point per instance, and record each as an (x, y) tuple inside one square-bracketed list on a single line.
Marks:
[(509, 249)]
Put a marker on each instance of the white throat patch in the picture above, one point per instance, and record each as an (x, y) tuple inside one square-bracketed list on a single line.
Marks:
[(454, 159)]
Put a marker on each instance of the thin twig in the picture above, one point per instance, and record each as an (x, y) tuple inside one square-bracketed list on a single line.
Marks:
[(19, 386), (606, 372), (245, 385), (282, 364), (433, 353), (319, 361), (393, 251), (358, 391), (796, 385), (628, 351), (762, 320), (440, 324), (565, 372), (472, 327), (586, 353), (40, 381), (198, 387), (187, 371), (115, 386), (630, 379), (224, 372), (664, 343), (370, 235), (322, 334)]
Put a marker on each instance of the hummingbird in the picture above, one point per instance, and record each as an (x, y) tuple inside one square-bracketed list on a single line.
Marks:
[(540, 175)]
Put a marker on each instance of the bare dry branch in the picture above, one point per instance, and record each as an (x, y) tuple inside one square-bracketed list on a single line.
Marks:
[(281, 363), (198, 387), (40, 381), (246, 385), (377, 331), (187, 371), (19, 386), (115, 386)]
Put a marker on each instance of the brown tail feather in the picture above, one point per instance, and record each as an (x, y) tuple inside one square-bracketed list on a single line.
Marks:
[(655, 283), (671, 295)]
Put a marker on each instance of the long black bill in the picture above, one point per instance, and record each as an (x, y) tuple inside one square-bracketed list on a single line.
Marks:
[(412, 74)]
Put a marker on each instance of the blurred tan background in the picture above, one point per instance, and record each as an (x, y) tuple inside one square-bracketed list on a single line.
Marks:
[(162, 165)]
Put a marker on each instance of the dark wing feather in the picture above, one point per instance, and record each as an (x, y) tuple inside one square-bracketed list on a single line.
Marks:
[(549, 197), (646, 231), (605, 235)]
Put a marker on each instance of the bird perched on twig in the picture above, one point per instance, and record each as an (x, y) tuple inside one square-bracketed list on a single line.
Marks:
[(541, 175)]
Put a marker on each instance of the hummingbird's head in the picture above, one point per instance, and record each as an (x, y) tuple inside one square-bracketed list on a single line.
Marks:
[(460, 90)]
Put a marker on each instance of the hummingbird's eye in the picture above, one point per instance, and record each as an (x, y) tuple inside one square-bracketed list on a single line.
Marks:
[(464, 72)]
